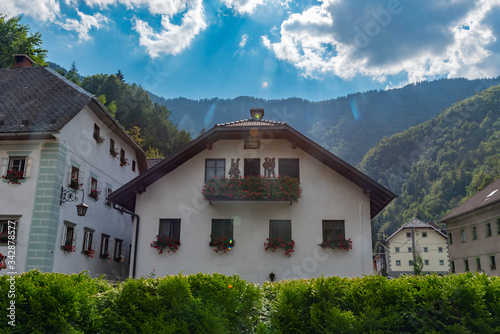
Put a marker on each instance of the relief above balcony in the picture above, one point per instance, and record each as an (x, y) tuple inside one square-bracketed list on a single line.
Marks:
[(252, 189)]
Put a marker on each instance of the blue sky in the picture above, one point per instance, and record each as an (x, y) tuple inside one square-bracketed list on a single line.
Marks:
[(272, 49)]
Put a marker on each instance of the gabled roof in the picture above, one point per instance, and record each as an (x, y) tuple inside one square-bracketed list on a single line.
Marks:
[(380, 197), (35, 99), (37, 102), (417, 223), (486, 197)]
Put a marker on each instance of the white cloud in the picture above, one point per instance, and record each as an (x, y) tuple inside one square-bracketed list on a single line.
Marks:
[(378, 39), (244, 6), (172, 39), (244, 40), (42, 10), (84, 25)]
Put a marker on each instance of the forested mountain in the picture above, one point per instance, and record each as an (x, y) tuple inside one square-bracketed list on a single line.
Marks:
[(347, 126), (147, 122), (435, 166)]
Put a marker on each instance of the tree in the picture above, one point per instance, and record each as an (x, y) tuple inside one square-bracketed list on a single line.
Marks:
[(73, 75), (135, 133), (418, 265), (154, 153), (15, 39), (120, 76)]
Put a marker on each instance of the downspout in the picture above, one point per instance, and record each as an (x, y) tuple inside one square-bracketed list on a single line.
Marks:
[(116, 207)]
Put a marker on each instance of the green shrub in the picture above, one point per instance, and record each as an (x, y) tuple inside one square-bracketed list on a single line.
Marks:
[(53, 302), (215, 303)]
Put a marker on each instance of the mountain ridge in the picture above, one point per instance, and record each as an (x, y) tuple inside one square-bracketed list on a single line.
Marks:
[(348, 126)]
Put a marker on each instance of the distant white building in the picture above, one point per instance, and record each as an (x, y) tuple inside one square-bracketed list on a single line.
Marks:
[(430, 244), (336, 201), (52, 131)]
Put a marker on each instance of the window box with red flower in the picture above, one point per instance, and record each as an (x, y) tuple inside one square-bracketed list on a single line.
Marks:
[(161, 243), (274, 243), (283, 188), (94, 194), (75, 184), (114, 152), (106, 256), (98, 139), (339, 242), (221, 244), (13, 176), (68, 246), (89, 252), (124, 162)]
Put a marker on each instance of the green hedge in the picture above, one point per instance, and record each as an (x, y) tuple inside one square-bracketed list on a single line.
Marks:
[(202, 303)]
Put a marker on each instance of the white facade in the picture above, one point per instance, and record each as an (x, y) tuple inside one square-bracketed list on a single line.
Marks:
[(430, 244), (35, 203), (326, 195)]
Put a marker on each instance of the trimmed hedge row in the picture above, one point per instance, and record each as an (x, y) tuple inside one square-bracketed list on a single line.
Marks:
[(203, 303)]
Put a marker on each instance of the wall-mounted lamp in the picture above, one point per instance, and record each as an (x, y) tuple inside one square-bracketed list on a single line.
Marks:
[(81, 209), (271, 276), (70, 196)]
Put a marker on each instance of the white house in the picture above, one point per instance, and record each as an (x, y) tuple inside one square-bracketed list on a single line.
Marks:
[(430, 243), (54, 135), (335, 200), (474, 232)]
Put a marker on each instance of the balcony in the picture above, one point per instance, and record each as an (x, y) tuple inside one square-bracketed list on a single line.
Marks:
[(252, 190)]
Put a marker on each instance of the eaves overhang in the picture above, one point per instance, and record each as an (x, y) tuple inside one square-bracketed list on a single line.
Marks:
[(380, 196)]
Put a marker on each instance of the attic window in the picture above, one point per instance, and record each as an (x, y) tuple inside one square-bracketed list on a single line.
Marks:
[(491, 194)]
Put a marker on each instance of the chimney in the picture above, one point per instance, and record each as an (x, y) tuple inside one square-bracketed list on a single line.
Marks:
[(22, 60), (257, 113)]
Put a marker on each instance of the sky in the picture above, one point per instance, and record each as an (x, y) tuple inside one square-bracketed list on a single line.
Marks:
[(270, 49)]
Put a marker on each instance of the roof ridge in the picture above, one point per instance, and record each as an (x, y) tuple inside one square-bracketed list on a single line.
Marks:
[(267, 121)]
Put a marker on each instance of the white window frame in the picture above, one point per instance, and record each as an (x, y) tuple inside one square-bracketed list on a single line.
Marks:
[(8, 163), (103, 252), (68, 225), (117, 253), (109, 190), (88, 239)]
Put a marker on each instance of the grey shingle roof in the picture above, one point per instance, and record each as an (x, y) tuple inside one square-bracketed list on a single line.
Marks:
[(37, 99), (486, 197), (417, 223)]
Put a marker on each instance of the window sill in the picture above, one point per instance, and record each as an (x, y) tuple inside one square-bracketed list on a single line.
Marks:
[(231, 201), (23, 180)]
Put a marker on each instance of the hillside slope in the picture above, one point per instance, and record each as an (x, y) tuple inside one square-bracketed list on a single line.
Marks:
[(347, 126), (437, 165)]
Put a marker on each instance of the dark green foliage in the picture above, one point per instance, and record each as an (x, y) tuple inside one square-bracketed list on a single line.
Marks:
[(347, 126), (15, 39), (134, 108), (465, 303), (53, 303), (435, 166), (199, 303), (204, 303)]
